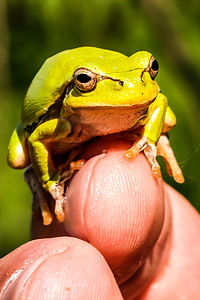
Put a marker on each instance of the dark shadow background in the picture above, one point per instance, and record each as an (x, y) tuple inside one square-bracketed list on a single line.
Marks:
[(32, 30)]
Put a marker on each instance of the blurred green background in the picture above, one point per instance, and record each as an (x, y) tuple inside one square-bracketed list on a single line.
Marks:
[(32, 30)]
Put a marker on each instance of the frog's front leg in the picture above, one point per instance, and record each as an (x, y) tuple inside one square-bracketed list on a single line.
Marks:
[(152, 131), (160, 119), (42, 162), (151, 134)]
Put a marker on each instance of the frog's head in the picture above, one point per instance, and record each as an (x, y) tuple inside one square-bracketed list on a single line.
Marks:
[(109, 78), (91, 77)]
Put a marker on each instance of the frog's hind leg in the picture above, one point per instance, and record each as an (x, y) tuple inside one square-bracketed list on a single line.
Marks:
[(39, 194), (165, 150), (40, 153)]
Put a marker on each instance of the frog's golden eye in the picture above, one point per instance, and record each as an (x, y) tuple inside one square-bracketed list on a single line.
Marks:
[(153, 67), (85, 80)]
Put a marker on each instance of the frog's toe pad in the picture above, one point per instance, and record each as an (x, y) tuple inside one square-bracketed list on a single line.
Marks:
[(150, 152), (59, 211), (178, 177), (47, 218)]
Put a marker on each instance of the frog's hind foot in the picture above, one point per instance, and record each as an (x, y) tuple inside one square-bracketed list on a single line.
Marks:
[(165, 150), (40, 196)]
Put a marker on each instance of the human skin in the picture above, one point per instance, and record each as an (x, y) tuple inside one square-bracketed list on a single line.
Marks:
[(126, 235)]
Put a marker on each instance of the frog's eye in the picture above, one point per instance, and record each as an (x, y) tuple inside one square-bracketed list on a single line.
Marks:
[(153, 67), (85, 80)]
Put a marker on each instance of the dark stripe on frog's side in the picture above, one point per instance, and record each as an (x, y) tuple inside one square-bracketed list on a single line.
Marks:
[(52, 112)]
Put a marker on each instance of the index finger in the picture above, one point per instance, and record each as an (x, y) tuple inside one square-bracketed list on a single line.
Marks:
[(117, 206)]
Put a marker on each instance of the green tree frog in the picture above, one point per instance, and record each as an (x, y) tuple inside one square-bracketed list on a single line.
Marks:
[(86, 92)]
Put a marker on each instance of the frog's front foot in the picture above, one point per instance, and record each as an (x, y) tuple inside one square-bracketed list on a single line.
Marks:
[(150, 151), (41, 196), (136, 148), (56, 187)]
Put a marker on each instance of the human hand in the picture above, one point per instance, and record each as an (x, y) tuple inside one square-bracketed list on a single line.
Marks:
[(146, 232)]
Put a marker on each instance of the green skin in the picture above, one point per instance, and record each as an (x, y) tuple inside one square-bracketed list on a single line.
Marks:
[(55, 104)]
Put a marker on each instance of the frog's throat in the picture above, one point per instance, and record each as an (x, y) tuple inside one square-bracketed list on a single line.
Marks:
[(98, 121)]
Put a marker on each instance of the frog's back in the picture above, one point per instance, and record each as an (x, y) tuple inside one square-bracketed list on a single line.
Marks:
[(57, 71)]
